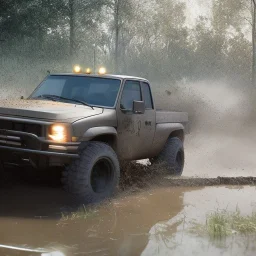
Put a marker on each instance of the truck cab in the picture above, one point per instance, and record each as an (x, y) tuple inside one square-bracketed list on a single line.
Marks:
[(87, 124)]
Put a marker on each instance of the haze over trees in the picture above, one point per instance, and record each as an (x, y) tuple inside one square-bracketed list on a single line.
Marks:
[(149, 38)]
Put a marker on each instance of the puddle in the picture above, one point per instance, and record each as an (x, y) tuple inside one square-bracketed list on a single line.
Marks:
[(153, 222), (174, 237)]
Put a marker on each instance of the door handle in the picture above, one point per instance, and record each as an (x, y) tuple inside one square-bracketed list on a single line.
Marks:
[(148, 123)]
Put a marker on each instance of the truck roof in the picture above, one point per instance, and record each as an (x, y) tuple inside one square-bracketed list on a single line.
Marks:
[(102, 76)]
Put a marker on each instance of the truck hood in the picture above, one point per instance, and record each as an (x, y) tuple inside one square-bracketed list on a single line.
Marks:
[(47, 110)]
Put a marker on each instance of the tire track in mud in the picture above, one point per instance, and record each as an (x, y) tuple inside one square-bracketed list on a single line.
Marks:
[(136, 176), (204, 182)]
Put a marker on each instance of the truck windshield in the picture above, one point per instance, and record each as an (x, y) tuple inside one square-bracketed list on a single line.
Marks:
[(95, 91)]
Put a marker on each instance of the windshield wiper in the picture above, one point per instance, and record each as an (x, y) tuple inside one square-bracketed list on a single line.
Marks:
[(54, 97)]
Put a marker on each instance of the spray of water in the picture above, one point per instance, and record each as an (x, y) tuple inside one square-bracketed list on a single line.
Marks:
[(222, 138)]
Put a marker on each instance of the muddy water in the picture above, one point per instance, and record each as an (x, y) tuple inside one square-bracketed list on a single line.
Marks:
[(148, 223)]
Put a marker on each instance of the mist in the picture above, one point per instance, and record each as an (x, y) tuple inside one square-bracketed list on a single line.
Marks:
[(197, 60), (222, 126)]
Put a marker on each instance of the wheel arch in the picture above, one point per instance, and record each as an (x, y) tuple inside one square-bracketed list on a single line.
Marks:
[(179, 134), (103, 134), (163, 132)]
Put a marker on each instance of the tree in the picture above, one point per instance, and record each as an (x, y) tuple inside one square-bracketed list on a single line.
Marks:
[(118, 15), (117, 4), (71, 15), (84, 18), (30, 22), (253, 11)]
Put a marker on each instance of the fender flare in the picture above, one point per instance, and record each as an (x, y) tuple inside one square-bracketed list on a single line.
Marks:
[(177, 127), (98, 131), (171, 127)]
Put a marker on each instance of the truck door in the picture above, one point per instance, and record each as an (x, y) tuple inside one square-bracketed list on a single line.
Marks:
[(135, 131), (149, 125)]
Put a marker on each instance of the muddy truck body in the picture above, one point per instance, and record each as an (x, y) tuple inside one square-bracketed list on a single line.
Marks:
[(88, 124)]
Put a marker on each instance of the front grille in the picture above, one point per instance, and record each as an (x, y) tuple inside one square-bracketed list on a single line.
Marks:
[(10, 140), (21, 127)]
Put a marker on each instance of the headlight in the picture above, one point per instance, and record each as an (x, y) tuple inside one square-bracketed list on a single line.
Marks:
[(58, 133)]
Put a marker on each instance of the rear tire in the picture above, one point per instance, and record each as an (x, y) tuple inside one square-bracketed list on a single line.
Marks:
[(95, 175), (172, 157)]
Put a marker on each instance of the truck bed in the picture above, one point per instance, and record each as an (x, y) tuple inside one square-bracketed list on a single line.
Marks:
[(163, 116)]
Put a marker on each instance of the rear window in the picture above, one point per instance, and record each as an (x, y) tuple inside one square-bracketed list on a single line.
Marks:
[(147, 96)]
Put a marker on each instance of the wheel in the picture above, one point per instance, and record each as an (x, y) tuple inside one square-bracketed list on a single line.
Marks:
[(172, 156), (95, 175)]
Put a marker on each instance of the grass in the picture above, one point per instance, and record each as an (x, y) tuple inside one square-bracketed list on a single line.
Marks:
[(81, 214), (218, 224), (222, 223)]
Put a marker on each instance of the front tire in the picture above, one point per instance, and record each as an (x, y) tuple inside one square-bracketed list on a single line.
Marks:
[(172, 157), (95, 175)]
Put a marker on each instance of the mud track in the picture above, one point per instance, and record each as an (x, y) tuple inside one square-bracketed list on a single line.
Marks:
[(139, 177), (203, 182)]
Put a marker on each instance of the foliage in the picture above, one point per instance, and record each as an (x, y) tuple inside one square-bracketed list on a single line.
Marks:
[(154, 37)]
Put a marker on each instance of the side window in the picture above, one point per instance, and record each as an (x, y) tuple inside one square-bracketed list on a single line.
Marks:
[(131, 93), (147, 95)]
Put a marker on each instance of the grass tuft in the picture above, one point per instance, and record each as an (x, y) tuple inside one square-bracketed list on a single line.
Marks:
[(81, 214), (218, 224), (222, 223)]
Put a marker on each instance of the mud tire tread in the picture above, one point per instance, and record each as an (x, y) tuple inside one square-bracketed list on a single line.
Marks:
[(76, 177), (167, 158)]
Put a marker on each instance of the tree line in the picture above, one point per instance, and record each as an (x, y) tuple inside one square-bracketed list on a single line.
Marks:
[(150, 38)]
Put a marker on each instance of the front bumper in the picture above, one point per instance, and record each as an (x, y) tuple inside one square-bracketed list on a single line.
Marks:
[(38, 152), (35, 149)]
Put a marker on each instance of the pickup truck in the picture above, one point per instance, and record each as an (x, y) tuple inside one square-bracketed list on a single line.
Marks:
[(87, 124)]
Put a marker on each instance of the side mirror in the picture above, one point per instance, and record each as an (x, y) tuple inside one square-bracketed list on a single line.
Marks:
[(138, 107)]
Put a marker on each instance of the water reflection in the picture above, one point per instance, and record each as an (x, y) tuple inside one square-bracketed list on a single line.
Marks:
[(163, 241), (155, 222), (30, 216)]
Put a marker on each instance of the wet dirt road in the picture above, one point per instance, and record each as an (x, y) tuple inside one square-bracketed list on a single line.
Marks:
[(220, 155), (152, 222)]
